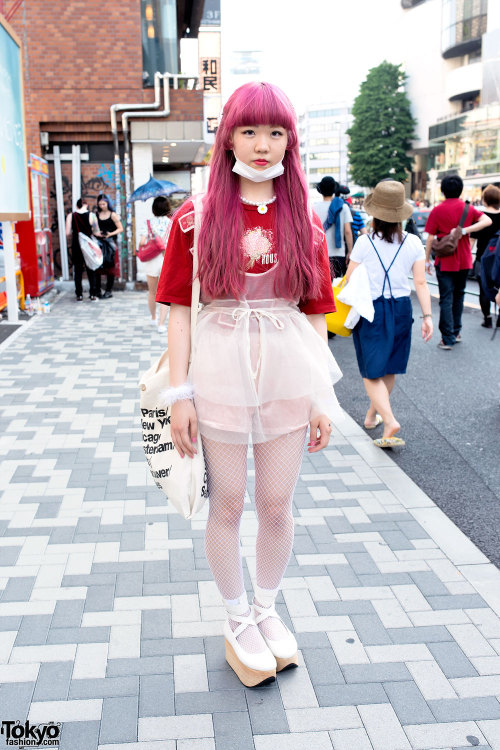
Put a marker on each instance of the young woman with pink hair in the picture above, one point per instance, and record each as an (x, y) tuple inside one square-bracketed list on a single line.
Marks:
[(261, 369)]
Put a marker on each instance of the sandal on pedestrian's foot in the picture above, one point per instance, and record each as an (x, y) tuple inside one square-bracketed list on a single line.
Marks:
[(252, 669), (378, 420), (388, 442), (282, 645)]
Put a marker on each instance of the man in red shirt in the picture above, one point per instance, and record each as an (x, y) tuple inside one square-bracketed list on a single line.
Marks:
[(452, 271)]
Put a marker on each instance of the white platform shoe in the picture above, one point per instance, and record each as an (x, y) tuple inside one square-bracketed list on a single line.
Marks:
[(284, 650), (252, 669)]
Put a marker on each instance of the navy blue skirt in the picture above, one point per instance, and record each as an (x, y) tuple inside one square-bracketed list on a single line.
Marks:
[(383, 347)]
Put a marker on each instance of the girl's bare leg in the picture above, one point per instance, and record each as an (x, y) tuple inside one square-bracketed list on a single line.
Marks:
[(152, 282), (371, 414), (379, 395)]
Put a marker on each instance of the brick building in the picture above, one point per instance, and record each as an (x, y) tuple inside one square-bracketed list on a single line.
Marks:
[(81, 58)]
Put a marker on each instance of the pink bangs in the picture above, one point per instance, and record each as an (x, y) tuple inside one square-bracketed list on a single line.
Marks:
[(258, 104)]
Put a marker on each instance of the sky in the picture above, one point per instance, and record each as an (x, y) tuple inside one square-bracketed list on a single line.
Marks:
[(316, 50)]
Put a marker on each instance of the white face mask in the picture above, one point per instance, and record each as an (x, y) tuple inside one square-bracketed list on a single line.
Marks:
[(257, 175)]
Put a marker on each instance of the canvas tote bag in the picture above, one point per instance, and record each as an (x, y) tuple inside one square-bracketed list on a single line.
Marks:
[(183, 480)]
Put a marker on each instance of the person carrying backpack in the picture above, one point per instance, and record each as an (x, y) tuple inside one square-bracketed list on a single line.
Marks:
[(491, 202)]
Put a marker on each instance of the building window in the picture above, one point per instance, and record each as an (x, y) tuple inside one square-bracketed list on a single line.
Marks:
[(464, 23), (159, 38)]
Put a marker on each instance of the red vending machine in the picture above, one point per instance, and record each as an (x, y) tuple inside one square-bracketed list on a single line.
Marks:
[(35, 237)]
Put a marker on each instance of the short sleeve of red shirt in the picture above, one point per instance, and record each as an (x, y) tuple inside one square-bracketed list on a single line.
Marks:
[(174, 285), (324, 302)]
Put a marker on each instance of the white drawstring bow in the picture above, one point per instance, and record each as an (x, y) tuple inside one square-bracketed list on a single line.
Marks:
[(241, 313)]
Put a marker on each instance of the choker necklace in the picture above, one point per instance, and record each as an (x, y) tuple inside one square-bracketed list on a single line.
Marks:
[(261, 205)]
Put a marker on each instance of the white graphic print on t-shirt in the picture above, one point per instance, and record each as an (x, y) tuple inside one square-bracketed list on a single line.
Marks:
[(258, 244)]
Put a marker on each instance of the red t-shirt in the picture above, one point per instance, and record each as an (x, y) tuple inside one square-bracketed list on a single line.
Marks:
[(442, 219), (174, 285)]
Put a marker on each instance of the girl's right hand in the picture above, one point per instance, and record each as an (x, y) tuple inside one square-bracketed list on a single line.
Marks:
[(184, 427)]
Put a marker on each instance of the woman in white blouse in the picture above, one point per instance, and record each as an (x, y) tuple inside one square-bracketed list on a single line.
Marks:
[(159, 226)]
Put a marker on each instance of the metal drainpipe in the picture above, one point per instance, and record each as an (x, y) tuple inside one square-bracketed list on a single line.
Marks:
[(114, 130), (126, 116)]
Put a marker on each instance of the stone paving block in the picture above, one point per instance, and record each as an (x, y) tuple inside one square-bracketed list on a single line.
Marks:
[(452, 660), (408, 703), (156, 697), (323, 719), (265, 708), (156, 623), (464, 601), (233, 731), (99, 598), (15, 699), (465, 709), (53, 681), (157, 571), (350, 739), (387, 579), (471, 641), (342, 575), (18, 589), (33, 630), (78, 635), (110, 687), (322, 666), (211, 702), (312, 641), (144, 665), (190, 673), (370, 630), (375, 672), (412, 529), (430, 680), (396, 540), (119, 720), (362, 563), (175, 727), (447, 735), (383, 728), (429, 584), (296, 689), (129, 584), (351, 695), (423, 634), (471, 687), (316, 740), (358, 607), (80, 735)]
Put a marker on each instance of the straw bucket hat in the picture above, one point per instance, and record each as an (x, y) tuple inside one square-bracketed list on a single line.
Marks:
[(387, 202)]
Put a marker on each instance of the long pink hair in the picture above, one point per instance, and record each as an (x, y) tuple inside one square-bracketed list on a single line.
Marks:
[(220, 248)]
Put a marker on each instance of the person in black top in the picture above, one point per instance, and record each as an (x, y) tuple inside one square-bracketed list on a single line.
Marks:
[(109, 226), (81, 220), (491, 202)]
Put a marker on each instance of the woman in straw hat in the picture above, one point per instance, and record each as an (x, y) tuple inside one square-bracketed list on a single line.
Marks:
[(383, 346)]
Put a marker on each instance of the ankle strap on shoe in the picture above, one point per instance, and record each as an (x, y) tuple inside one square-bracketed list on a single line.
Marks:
[(262, 613), (244, 620)]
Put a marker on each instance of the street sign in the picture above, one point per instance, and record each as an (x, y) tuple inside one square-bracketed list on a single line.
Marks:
[(14, 200)]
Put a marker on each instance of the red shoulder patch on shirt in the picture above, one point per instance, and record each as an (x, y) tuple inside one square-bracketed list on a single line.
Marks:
[(186, 222)]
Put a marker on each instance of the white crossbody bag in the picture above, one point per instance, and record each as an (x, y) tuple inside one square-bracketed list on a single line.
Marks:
[(183, 480)]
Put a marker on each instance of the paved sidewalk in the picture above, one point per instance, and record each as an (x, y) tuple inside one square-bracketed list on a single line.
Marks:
[(109, 620)]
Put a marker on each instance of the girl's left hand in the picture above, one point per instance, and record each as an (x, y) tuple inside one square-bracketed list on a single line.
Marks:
[(322, 425), (427, 329)]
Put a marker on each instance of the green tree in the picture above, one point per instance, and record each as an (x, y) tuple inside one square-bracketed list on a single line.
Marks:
[(383, 127)]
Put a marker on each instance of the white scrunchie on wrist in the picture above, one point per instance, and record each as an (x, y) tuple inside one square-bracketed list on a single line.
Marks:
[(170, 396)]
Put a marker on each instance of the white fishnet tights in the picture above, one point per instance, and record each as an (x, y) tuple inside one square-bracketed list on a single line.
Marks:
[(277, 465)]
